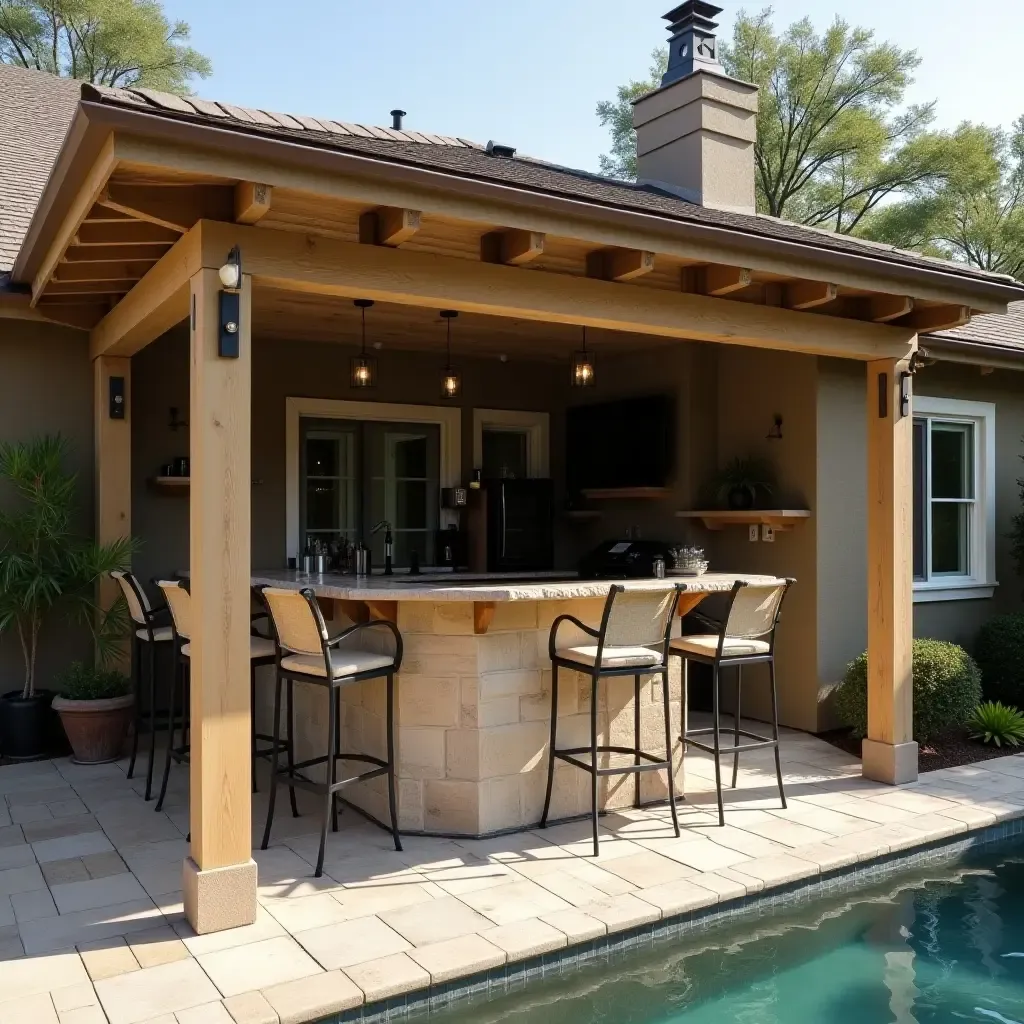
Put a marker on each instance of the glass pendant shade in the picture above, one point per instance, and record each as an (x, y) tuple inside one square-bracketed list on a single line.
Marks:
[(583, 366), (451, 380), (363, 368)]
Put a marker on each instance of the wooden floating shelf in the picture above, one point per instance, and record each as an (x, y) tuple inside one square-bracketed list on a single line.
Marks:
[(779, 518), (611, 493), (170, 484)]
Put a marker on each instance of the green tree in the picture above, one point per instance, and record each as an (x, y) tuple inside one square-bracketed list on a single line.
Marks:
[(978, 216), (833, 139), (106, 42)]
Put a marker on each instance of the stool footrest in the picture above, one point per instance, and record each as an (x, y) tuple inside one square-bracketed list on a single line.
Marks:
[(292, 777), (759, 742), (652, 763)]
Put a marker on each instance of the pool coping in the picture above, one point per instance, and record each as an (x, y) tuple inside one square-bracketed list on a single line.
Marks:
[(484, 986)]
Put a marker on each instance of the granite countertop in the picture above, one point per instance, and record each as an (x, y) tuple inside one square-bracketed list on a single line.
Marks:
[(549, 586)]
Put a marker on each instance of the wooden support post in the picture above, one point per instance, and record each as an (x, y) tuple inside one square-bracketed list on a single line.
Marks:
[(889, 753), (113, 461), (220, 875), (483, 613)]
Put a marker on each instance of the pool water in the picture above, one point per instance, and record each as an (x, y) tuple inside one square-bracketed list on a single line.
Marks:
[(946, 945)]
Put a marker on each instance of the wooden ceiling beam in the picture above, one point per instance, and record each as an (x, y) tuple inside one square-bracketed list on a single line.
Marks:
[(619, 264), (103, 271), (173, 207), (388, 225), (252, 201), (102, 215), (91, 287), (84, 317), (112, 253), (808, 294), (927, 319), (880, 309), (513, 246), (717, 280), (126, 232)]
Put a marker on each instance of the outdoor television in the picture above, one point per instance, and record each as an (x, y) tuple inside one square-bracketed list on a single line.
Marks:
[(625, 443)]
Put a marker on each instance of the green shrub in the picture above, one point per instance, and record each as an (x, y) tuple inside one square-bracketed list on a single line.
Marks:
[(995, 723), (83, 682), (1000, 653), (947, 688)]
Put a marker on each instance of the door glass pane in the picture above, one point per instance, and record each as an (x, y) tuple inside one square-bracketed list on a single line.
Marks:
[(952, 460), (505, 454), (920, 493), (328, 512), (950, 538), (322, 511)]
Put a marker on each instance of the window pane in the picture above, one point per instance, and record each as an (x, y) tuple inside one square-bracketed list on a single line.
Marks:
[(504, 454), (322, 505), (410, 504), (322, 456), (920, 492), (950, 538), (952, 460), (411, 457)]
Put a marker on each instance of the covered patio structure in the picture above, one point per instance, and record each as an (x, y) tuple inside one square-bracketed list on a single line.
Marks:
[(152, 193)]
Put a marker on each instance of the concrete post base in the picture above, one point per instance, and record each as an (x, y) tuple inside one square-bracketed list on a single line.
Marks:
[(219, 898), (894, 763)]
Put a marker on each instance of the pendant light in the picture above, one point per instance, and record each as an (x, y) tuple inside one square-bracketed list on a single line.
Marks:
[(451, 382), (583, 366), (363, 368)]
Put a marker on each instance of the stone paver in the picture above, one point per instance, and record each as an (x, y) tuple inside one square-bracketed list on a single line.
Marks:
[(90, 886)]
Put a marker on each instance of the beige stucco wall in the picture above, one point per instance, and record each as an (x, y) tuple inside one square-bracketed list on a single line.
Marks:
[(46, 387)]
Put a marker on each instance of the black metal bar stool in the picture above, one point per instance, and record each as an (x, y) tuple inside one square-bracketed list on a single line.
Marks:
[(746, 637), (262, 651), (632, 641), (306, 654), (147, 632)]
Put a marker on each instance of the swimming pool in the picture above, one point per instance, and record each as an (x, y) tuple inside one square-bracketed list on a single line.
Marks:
[(943, 945)]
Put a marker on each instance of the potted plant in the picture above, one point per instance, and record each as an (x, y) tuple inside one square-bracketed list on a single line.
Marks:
[(95, 708), (45, 566), (744, 482)]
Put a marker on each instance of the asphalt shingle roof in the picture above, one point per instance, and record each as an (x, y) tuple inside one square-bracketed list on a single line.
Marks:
[(996, 329), (35, 112)]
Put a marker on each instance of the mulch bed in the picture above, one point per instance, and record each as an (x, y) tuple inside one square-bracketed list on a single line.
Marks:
[(948, 751)]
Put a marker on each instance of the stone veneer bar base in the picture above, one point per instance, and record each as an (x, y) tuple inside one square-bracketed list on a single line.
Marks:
[(514, 977), (219, 898)]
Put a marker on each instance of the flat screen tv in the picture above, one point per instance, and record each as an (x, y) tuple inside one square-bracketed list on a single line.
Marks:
[(625, 443)]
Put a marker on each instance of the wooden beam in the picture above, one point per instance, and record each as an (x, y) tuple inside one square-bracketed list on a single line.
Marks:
[(112, 440), (388, 226), (327, 266), (83, 202), (619, 264), (926, 319), (104, 271), (219, 878), (112, 253), (889, 753), (718, 280), (110, 287), (881, 309), (155, 304), (483, 613), (174, 207), (513, 246), (101, 215), (126, 232), (252, 201), (82, 317), (383, 610), (808, 294)]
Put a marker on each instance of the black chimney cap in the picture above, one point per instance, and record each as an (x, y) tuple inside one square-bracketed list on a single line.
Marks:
[(396, 119), (693, 46), (693, 11)]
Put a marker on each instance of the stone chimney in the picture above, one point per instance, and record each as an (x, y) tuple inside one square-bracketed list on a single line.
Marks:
[(695, 135)]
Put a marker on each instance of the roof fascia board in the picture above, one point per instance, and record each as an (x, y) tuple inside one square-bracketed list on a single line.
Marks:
[(973, 353)]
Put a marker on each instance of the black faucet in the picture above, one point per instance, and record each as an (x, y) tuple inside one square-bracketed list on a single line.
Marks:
[(388, 541)]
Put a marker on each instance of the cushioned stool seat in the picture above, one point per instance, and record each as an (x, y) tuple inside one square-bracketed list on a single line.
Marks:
[(344, 663), (611, 657), (707, 646)]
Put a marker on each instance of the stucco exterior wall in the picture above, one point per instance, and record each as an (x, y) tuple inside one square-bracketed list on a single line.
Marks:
[(46, 387)]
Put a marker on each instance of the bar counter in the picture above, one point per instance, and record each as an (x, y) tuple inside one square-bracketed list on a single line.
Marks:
[(474, 695)]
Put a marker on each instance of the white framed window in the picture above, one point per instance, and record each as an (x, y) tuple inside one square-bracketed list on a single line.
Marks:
[(511, 442), (954, 499)]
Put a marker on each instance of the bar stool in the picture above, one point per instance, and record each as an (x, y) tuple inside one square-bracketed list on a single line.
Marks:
[(746, 637), (632, 641), (262, 651), (306, 654), (147, 632)]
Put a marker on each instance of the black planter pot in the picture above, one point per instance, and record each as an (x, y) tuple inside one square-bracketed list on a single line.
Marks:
[(740, 499), (29, 727)]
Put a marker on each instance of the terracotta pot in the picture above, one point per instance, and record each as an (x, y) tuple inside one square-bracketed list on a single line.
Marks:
[(95, 728)]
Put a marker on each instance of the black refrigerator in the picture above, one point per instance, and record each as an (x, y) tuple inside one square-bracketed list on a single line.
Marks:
[(519, 520)]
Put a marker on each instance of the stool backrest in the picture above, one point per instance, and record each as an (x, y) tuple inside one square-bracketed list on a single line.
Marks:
[(754, 609), (135, 597), (634, 618), (179, 601), (297, 619)]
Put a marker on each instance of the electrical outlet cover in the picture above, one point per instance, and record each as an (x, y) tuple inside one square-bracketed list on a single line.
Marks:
[(753, 532), (767, 533)]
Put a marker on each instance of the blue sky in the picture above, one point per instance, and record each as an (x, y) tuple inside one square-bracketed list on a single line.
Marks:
[(529, 72)]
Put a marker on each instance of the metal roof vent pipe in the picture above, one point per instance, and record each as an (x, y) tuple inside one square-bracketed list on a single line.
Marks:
[(396, 119), (695, 135)]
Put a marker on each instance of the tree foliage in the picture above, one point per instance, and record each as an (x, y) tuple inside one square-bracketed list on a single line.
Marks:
[(106, 42), (833, 139)]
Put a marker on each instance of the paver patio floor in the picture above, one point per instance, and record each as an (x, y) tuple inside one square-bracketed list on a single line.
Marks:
[(92, 929)]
